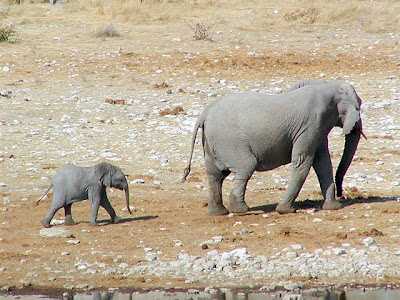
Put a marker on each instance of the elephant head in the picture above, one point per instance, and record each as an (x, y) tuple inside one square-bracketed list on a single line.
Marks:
[(112, 176), (348, 105)]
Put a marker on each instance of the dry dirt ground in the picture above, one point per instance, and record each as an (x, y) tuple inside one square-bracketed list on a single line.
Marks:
[(60, 85)]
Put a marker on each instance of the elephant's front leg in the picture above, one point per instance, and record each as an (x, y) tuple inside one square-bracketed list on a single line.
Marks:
[(105, 203), (236, 198), (301, 165), (95, 194), (323, 167)]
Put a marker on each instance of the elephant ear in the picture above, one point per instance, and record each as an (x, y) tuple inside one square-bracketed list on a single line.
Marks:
[(102, 172), (351, 119), (349, 108)]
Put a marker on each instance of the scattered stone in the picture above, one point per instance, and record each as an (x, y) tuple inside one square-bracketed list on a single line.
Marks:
[(138, 181), (118, 101), (160, 86), (368, 241), (73, 242), (150, 256), (204, 246), (56, 232), (175, 111), (26, 283), (339, 251), (5, 93)]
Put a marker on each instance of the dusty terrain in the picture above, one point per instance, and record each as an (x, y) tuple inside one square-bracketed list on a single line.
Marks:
[(71, 97)]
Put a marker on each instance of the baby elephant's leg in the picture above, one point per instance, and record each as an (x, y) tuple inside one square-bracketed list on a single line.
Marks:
[(68, 215), (105, 203), (55, 206)]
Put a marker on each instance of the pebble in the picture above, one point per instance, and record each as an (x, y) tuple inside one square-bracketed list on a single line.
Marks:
[(368, 241), (73, 242)]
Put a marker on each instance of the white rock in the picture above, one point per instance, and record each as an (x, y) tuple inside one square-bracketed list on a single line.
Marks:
[(339, 251), (368, 241), (73, 242), (297, 247), (137, 181), (56, 232), (150, 256)]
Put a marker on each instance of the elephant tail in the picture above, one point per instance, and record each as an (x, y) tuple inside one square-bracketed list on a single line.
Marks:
[(37, 202), (199, 123)]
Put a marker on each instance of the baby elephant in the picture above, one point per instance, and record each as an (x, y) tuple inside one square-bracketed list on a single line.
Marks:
[(71, 184)]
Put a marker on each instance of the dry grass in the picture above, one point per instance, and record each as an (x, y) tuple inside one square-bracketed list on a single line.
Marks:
[(108, 31), (247, 15)]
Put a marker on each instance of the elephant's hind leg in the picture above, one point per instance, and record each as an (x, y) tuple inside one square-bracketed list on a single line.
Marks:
[(215, 179), (236, 197), (56, 205), (301, 164), (68, 215), (243, 170)]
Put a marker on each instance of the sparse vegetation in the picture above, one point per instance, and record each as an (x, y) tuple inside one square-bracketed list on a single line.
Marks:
[(202, 29), (109, 31), (6, 32), (306, 16)]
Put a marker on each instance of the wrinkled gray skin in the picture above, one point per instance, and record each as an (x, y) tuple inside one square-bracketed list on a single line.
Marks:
[(243, 133), (71, 184)]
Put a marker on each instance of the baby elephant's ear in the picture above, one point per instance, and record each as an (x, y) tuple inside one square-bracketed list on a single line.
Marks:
[(102, 172)]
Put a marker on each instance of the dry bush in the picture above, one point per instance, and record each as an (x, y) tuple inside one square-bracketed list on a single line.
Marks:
[(306, 16), (6, 32), (108, 31), (202, 29)]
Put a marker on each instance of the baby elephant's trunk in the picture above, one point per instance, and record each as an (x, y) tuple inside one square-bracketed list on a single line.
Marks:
[(127, 198)]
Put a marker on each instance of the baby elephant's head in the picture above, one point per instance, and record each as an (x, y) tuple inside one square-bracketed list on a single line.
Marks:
[(112, 176)]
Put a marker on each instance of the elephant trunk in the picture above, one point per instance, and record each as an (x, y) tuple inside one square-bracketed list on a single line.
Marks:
[(127, 199), (350, 148)]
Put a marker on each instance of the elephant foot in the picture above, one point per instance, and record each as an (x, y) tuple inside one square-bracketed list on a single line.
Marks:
[(115, 220), (285, 208), (69, 221), (238, 207), (45, 223), (217, 210), (332, 205)]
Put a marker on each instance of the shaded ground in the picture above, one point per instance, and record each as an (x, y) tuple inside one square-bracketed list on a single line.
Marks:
[(62, 80)]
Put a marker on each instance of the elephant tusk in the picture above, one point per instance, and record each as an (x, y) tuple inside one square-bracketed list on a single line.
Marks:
[(364, 136)]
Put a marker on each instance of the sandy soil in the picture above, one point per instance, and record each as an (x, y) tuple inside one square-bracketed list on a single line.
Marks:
[(62, 79)]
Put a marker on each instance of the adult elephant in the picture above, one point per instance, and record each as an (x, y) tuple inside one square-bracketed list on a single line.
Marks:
[(243, 133)]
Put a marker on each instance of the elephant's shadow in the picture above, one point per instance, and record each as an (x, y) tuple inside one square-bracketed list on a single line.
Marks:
[(125, 220), (307, 204)]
